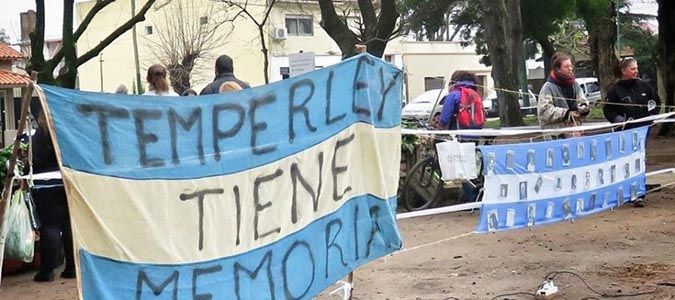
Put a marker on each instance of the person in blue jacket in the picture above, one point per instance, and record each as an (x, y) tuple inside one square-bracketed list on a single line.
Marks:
[(458, 80)]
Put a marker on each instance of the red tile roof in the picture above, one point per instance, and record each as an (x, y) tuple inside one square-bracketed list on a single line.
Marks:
[(8, 53), (10, 79)]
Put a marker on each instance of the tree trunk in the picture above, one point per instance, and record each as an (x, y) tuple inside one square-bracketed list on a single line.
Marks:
[(337, 30), (548, 51), (602, 38), (68, 52), (377, 28), (37, 41), (68, 74), (504, 35), (666, 48), (263, 49)]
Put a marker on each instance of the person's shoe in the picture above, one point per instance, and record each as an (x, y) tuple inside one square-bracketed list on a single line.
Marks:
[(68, 274), (44, 276)]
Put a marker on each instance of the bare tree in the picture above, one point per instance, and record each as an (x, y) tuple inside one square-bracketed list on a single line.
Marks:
[(68, 52), (242, 10), (188, 32), (4, 38), (378, 26)]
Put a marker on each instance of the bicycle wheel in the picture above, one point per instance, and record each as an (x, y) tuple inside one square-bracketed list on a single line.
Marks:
[(422, 185)]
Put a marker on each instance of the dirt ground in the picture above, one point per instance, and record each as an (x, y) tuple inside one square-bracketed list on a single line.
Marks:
[(625, 251)]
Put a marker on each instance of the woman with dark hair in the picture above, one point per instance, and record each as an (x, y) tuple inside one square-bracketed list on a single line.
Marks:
[(562, 103), (157, 84), (634, 98), (458, 81)]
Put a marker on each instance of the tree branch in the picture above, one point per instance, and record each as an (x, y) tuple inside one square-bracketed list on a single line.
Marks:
[(139, 17), (37, 59), (100, 4), (368, 13), (387, 19)]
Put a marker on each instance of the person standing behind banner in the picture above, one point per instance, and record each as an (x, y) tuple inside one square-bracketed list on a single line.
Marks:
[(562, 103), (224, 72), (459, 81), (157, 83), (52, 208), (122, 89), (463, 84), (634, 98)]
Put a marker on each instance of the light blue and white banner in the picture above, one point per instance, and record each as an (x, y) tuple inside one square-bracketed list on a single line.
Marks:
[(274, 192), (537, 183)]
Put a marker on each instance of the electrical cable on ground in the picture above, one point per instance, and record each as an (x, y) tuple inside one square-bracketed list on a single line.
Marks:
[(513, 294), (554, 274)]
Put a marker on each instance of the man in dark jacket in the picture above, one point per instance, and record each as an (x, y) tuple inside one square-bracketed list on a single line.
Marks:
[(224, 72), (631, 95), (52, 208)]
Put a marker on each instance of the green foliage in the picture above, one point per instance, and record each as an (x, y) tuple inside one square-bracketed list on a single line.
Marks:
[(542, 20), (642, 42), (408, 141), (591, 10), (5, 155), (572, 38), (427, 16)]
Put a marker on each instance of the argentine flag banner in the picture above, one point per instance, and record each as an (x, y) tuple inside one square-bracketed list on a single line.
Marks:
[(538, 183), (274, 192)]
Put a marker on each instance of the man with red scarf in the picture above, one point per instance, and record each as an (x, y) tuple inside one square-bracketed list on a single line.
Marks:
[(562, 103)]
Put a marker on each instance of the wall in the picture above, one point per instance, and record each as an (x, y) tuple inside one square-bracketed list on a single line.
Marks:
[(418, 59), (437, 59)]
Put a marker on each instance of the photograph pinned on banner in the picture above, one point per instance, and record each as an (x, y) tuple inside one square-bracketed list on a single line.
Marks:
[(457, 160)]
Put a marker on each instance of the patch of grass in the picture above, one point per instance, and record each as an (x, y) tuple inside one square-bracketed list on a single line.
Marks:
[(529, 120), (596, 114)]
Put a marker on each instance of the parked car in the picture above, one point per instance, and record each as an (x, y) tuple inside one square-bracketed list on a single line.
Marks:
[(591, 88), (421, 106), (491, 104)]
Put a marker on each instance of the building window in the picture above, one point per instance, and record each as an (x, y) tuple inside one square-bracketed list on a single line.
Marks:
[(148, 30), (300, 25), (432, 83), (285, 72), (203, 20), (481, 83)]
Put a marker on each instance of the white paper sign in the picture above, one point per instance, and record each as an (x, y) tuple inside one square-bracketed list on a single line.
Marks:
[(457, 160), (300, 63)]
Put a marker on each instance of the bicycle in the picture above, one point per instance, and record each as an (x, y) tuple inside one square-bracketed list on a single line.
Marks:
[(424, 188)]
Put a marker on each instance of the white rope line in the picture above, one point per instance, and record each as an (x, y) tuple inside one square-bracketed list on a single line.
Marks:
[(439, 210), (510, 132), (432, 243), (662, 171)]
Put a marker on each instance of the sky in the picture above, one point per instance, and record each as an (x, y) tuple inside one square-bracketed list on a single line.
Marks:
[(9, 15)]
